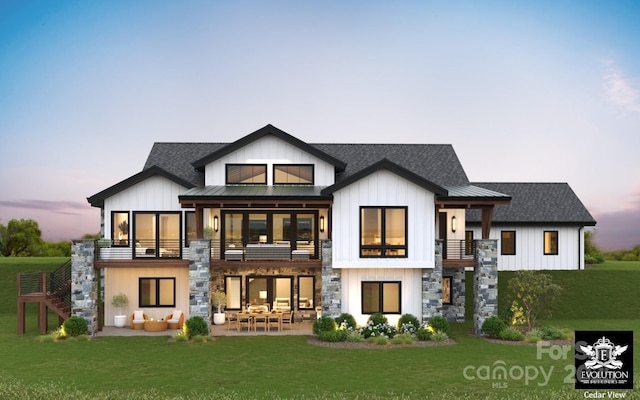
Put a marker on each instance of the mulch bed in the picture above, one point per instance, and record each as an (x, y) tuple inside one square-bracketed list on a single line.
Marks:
[(366, 345), (549, 342)]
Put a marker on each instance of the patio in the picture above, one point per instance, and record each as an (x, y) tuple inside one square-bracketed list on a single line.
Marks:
[(297, 328)]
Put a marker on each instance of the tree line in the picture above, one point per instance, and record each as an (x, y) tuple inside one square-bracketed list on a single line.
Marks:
[(23, 238)]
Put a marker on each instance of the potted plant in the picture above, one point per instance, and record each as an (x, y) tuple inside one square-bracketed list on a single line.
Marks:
[(119, 301), (218, 300)]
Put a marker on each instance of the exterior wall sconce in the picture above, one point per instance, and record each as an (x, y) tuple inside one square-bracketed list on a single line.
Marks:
[(215, 223), (454, 224), (322, 223)]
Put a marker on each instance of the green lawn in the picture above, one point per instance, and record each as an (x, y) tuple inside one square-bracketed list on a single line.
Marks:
[(288, 367)]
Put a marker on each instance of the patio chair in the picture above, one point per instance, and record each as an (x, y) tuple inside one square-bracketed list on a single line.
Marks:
[(287, 318), (175, 320), (244, 320), (136, 320), (275, 318), (231, 317), (260, 320)]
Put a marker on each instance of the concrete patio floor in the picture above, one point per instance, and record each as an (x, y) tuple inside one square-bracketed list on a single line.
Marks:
[(297, 328)]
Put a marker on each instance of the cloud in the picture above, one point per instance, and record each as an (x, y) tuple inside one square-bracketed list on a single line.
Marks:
[(57, 207), (620, 90)]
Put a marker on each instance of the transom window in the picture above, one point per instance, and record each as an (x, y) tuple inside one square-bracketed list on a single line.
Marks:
[(247, 174), (157, 292), (508, 243), (383, 231), (550, 243), (292, 174), (381, 297)]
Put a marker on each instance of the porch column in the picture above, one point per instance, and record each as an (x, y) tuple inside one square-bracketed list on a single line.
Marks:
[(84, 288), (485, 283), (432, 286), (199, 271), (331, 283)]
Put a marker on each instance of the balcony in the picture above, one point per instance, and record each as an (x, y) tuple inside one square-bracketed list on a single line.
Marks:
[(458, 253)]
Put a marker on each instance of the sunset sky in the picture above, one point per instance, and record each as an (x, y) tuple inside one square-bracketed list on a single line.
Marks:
[(545, 91)]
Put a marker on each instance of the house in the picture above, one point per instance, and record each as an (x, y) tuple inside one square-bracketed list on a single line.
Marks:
[(356, 228)]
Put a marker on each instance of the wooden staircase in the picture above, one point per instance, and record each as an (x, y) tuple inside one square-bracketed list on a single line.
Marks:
[(51, 290)]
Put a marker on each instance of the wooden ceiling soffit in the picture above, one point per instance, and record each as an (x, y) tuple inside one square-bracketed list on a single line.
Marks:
[(258, 203)]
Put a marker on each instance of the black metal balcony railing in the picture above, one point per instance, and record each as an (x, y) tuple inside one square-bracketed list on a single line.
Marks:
[(458, 249), (143, 249)]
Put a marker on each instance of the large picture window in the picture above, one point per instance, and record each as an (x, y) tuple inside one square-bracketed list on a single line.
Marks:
[(120, 228), (550, 243), (157, 292), (157, 234), (383, 231), (292, 174), (381, 297), (255, 174), (508, 243)]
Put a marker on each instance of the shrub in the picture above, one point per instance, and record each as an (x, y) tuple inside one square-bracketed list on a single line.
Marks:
[(403, 338), (75, 326), (354, 337), (339, 335), (324, 324), (440, 324), (347, 320), (181, 337), (550, 333), (196, 326), (423, 334), (379, 340), (408, 323), (492, 327), (440, 336), (199, 339), (533, 336), (510, 334), (378, 325)]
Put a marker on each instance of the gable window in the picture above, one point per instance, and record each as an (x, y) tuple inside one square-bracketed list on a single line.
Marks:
[(297, 174), (157, 234), (383, 231), (255, 174), (446, 290), (550, 243), (381, 297), (120, 228), (157, 292), (508, 243)]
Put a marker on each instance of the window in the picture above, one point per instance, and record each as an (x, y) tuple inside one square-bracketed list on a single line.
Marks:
[(508, 243), (263, 290), (157, 292), (233, 289), (157, 234), (189, 227), (381, 297), (468, 243), (446, 290), (247, 174), (120, 228), (383, 231), (550, 243), (284, 174), (306, 290)]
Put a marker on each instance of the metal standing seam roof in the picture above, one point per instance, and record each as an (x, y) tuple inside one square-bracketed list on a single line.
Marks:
[(472, 191)]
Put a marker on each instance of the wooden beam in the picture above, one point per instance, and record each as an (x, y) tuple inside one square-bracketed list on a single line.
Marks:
[(487, 216), (199, 222)]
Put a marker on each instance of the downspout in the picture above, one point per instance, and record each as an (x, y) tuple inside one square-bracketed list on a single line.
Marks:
[(579, 247)]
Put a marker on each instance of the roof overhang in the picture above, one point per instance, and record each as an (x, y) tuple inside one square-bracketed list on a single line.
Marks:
[(470, 196), (255, 196)]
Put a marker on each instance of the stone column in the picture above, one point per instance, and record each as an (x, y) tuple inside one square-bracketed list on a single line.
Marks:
[(84, 293), (199, 270), (485, 283), (432, 286), (331, 283)]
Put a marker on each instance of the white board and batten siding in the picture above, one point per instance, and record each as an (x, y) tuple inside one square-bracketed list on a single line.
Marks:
[(530, 248), (410, 285), (155, 193), (126, 280), (269, 150), (383, 188)]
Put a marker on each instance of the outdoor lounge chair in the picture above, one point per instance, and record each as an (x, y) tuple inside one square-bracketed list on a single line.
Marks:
[(175, 320), (136, 320)]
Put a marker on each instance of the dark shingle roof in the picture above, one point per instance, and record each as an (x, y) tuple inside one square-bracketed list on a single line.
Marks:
[(536, 203), (176, 158)]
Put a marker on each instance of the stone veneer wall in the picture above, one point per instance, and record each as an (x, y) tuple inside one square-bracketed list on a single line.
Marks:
[(455, 311), (331, 283), (485, 283), (199, 270), (432, 286), (83, 283)]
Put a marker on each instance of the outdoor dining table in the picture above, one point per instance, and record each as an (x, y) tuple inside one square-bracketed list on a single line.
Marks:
[(249, 318)]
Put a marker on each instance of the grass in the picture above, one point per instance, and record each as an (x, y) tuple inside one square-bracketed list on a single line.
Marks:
[(287, 366)]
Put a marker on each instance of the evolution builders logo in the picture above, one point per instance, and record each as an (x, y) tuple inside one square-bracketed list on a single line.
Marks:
[(604, 359)]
